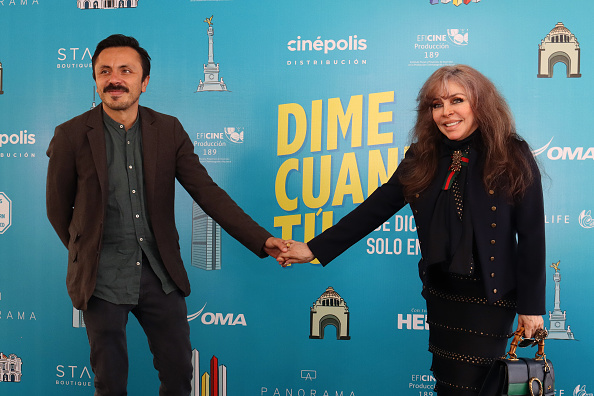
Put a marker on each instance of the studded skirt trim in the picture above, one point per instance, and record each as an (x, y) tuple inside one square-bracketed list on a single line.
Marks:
[(466, 334), (504, 303)]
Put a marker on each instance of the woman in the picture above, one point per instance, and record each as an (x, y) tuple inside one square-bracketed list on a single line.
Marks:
[(475, 191)]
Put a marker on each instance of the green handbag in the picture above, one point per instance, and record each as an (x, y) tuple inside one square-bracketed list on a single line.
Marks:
[(514, 376)]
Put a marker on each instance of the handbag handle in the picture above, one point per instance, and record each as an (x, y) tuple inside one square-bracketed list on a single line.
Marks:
[(519, 336)]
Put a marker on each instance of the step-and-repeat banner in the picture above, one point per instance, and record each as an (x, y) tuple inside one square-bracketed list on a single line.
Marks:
[(299, 110)]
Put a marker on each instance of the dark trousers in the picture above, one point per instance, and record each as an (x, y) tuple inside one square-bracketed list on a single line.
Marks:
[(163, 318)]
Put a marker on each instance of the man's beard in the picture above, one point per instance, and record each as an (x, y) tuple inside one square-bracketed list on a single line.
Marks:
[(120, 103)]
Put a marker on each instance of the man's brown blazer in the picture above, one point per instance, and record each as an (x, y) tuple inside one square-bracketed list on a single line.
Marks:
[(77, 188)]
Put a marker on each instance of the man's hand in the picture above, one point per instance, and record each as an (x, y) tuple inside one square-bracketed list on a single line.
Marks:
[(275, 246), (298, 252)]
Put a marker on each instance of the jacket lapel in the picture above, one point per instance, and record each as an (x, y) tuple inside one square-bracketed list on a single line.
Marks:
[(150, 144), (96, 136)]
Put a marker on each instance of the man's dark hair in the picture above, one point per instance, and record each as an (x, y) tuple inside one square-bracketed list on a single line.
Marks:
[(119, 40)]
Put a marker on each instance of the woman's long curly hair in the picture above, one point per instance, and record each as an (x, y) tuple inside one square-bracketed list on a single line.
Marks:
[(506, 166)]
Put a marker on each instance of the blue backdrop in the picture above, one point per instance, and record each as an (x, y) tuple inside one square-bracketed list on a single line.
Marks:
[(313, 106)]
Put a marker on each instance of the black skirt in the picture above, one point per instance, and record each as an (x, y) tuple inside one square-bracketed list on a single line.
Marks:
[(466, 334)]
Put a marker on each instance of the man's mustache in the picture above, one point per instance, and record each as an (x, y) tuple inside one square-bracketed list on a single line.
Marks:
[(112, 87)]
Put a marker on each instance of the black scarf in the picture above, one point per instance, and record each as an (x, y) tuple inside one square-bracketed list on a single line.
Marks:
[(451, 242)]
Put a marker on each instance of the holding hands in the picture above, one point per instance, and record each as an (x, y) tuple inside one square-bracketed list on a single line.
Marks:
[(275, 246), (288, 252), (296, 252)]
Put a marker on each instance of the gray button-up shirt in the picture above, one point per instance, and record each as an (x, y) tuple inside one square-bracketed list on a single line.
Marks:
[(127, 231)]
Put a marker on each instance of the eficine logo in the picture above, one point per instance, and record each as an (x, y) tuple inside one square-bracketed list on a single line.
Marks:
[(234, 135), (210, 318), (105, 5), (586, 220), (437, 47), (555, 153), (458, 36), (423, 383)]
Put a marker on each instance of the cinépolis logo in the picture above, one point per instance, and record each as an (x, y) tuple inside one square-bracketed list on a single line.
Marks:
[(14, 145), (318, 51), (74, 58)]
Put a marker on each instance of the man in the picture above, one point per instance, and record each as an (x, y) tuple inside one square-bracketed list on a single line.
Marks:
[(110, 198)]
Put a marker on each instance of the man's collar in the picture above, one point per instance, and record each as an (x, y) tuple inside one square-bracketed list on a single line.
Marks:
[(116, 125)]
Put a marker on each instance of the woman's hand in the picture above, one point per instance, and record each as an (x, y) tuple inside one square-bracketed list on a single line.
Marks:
[(530, 323), (298, 253)]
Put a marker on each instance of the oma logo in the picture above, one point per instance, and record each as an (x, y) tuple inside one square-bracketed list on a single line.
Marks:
[(209, 318)]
